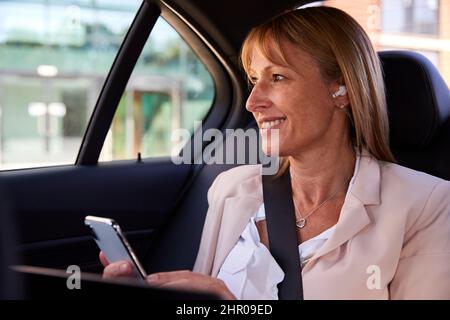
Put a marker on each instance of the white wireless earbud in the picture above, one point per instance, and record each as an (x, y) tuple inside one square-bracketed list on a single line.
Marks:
[(341, 92)]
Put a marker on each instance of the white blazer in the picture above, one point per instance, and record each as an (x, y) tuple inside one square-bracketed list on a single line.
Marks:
[(392, 239)]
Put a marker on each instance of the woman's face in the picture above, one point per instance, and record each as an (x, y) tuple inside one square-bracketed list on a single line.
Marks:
[(296, 100)]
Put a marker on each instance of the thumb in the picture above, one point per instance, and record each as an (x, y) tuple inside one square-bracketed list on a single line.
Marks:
[(103, 259)]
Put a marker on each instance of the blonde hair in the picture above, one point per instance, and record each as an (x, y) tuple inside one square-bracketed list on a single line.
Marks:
[(343, 53)]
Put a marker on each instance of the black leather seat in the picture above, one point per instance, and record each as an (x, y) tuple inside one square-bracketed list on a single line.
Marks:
[(418, 101), (419, 108)]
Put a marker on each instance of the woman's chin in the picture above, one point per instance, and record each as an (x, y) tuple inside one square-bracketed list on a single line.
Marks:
[(270, 142), (276, 150), (270, 149)]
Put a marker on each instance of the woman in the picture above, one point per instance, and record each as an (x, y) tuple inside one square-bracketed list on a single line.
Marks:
[(367, 228)]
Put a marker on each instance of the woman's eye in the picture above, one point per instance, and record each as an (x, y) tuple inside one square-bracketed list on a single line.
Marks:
[(277, 77)]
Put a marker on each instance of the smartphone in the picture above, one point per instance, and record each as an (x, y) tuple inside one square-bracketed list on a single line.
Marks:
[(110, 239)]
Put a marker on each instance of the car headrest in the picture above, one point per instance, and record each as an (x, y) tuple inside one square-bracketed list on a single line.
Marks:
[(418, 99)]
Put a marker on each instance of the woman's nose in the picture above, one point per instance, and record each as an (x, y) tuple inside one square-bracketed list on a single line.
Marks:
[(257, 99)]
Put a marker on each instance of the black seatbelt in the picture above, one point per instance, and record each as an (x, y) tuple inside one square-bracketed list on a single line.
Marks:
[(282, 232)]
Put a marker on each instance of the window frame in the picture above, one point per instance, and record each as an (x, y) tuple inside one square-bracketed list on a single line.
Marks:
[(115, 83)]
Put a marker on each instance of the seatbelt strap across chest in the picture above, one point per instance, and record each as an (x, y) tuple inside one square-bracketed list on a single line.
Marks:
[(282, 233)]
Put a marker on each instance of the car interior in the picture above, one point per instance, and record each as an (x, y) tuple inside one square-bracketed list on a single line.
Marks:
[(160, 205)]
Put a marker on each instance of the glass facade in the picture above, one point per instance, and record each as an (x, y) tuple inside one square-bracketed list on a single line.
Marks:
[(54, 57)]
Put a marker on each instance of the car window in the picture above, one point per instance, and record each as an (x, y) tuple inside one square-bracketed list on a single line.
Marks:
[(417, 25), (170, 89), (55, 56)]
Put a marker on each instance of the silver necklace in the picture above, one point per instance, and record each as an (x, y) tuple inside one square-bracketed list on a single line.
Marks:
[(302, 221)]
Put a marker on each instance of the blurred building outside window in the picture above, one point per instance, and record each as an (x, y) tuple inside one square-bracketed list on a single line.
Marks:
[(55, 56), (417, 25)]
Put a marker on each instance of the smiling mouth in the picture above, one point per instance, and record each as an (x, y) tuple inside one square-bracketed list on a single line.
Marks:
[(272, 124)]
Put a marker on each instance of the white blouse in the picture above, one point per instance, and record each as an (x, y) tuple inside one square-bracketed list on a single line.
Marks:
[(251, 272)]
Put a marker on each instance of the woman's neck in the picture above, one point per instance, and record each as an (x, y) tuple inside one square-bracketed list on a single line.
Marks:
[(316, 174)]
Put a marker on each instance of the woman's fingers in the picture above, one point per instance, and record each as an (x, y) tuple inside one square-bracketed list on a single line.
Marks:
[(188, 280), (163, 277), (117, 269), (103, 259), (183, 284), (184, 280)]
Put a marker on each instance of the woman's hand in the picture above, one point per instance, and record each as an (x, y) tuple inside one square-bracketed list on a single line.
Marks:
[(184, 280), (119, 269), (188, 280)]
